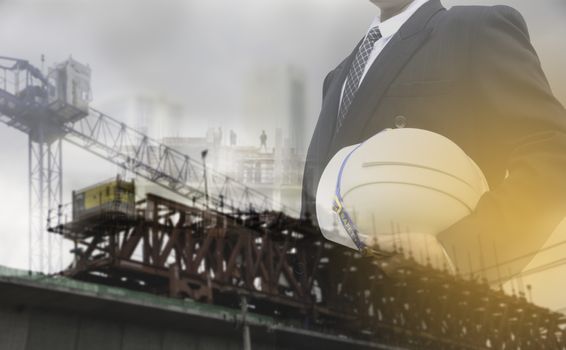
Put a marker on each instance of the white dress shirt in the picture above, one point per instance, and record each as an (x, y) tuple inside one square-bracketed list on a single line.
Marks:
[(388, 28)]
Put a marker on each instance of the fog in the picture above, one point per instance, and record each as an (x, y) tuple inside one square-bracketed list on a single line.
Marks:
[(199, 53)]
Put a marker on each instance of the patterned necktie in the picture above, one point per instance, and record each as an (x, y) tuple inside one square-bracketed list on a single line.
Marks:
[(356, 72)]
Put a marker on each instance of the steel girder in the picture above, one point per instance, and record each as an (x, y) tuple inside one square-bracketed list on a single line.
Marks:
[(276, 262)]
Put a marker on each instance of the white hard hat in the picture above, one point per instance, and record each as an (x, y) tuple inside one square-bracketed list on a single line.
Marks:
[(400, 180)]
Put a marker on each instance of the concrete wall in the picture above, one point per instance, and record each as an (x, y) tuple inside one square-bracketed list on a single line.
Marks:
[(34, 329)]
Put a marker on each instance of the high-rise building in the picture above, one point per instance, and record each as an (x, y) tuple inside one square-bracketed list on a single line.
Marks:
[(275, 172)]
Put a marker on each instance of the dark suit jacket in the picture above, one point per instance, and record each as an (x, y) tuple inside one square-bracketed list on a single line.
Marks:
[(470, 74)]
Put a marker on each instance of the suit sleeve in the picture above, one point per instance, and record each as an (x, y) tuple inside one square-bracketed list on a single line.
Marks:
[(524, 124)]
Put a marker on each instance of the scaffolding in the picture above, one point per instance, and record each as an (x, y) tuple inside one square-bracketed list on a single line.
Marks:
[(286, 271)]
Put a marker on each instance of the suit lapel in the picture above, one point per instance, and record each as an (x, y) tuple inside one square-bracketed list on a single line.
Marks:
[(327, 120), (384, 71)]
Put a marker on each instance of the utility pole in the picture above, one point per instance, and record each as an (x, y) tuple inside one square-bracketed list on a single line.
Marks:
[(245, 326), (203, 156)]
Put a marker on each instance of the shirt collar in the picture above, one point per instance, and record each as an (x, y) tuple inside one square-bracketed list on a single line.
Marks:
[(390, 26)]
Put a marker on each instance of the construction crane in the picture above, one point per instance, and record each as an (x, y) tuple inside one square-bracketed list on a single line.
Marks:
[(55, 107)]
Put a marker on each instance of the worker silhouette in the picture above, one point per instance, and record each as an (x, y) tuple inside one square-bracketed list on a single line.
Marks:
[(263, 141)]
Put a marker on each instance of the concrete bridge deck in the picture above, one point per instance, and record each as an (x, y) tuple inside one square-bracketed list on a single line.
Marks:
[(49, 312)]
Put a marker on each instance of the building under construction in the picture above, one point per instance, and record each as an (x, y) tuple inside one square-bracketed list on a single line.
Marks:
[(225, 269)]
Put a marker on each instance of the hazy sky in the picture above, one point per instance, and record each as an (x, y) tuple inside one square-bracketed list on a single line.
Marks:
[(199, 52)]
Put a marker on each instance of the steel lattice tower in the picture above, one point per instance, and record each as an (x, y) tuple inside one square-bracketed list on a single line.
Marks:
[(45, 195), (39, 105)]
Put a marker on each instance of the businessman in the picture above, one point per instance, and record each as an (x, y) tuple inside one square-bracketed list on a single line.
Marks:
[(468, 73)]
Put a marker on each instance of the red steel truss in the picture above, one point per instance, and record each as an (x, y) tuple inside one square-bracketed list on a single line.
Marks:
[(284, 271)]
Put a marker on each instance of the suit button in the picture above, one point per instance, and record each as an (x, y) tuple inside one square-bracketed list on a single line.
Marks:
[(400, 121)]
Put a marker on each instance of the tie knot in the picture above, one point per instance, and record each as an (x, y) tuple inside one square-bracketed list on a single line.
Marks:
[(374, 34)]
